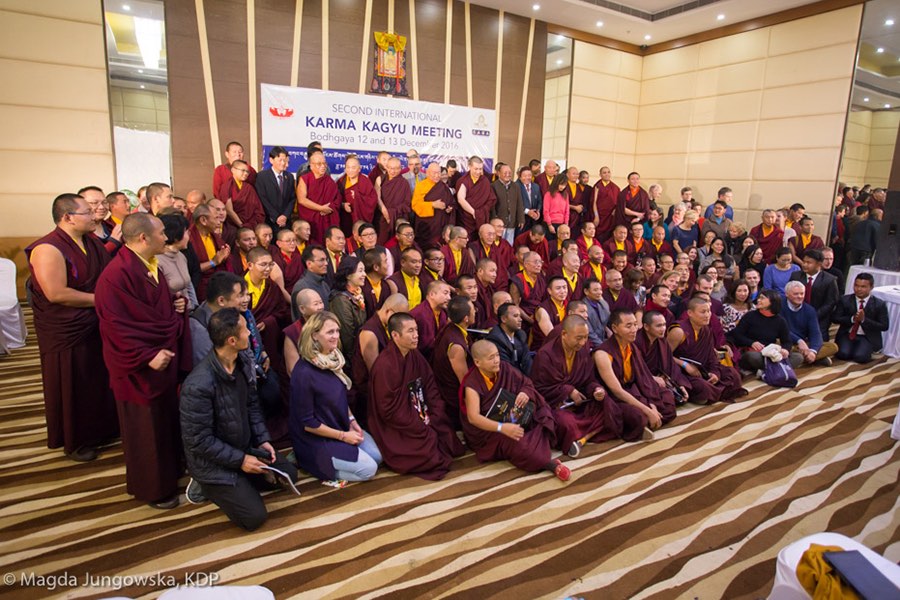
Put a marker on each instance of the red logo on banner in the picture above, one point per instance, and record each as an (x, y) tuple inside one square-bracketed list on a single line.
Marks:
[(281, 112)]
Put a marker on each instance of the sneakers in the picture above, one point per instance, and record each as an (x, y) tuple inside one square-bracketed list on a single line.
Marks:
[(194, 493), (574, 449), (561, 471)]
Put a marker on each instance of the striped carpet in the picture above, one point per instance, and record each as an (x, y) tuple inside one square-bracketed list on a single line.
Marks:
[(700, 512)]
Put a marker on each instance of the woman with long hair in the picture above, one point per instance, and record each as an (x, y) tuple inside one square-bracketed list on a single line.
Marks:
[(761, 327), (556, 205), (737, 304), (348, 303), (752, 258), (328, 442)]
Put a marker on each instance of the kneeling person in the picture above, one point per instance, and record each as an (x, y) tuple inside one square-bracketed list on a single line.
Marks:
[(221, 424), (527, 450)]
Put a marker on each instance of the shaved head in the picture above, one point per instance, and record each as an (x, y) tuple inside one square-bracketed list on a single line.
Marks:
[(482, 348), (136, 224), (396, 303)]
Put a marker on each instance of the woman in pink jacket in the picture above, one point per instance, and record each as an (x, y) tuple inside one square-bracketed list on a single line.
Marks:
[(556, 205)]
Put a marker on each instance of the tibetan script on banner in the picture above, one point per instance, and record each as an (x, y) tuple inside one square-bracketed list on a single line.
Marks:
[(389, 74)]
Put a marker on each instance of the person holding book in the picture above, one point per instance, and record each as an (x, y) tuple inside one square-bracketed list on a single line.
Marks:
[(451, 359), (504, 417), (327, 439), (225, 439)]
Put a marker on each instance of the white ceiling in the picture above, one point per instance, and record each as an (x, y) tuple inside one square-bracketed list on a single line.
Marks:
[(583, 16), (879, 89)]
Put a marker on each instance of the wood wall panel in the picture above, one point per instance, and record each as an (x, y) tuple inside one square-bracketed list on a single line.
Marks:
[(226, 22)]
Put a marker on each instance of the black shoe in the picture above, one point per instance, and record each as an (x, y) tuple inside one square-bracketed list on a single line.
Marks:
[(165, 504), (574, 449), (83, 454)]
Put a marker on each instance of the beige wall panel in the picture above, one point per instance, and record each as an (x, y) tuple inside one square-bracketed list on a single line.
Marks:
[(69, 174), (40, 129), (626, 141), (626, 116), (562, 126), (562, 106), (40, 39), (813, 65), (621, 165), (599, 59), (724, 165), (138, 99), (32, 212), (730, 79), (739, 48), (811, 164), (723, 137), (661, 141), (629, 91), (72, 10), (631, 66), (732, 108), (668, 89), (663, 116), (814, 32), (583, 156), (41, 84), (592, 137), (856, 151), (818, 98), (661, 166), (548, 128), (596, 85), (591, 110), (680, 60), (706, 191), (816, 196), (801, 132)]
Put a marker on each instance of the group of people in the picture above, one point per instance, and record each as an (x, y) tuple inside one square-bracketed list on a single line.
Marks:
[(405, 316)]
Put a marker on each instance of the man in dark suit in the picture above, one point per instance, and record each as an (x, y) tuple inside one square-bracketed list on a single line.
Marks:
[(511, 341), (822, 290), (532, 201), (336, 249), (862, 318), (864, 236), (276, 189)]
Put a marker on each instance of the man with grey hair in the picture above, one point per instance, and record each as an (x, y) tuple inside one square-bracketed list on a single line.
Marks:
[(475, 196), (510, 207), (414, 173), (803, 323)]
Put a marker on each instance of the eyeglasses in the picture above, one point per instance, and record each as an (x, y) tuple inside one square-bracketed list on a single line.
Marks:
[(242, 170), (435, 259), (265, 266), (83, 213), (368, 234)]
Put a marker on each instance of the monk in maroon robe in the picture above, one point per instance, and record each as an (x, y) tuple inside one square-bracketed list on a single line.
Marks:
[(485, 276), (451, 357), (211, 250), (692, 341), (475, 197), (616, 295), (804, 240), (395, 200), (528, 288), (550, 312), (287, 257), (563, 372), (529, 449), (498, 250), (65, 264), (241, 201), (625, 374), (579, 198), (536, 241), (358, 197), (633, 203), (402, 394), (431, 315), (145, 345), (457, 258), (380, 168), (768, 236), (658, 299), (605, 201), (233, 151), (543, 179), (434, 205), (651, 342), (377, 287), (318, 200)]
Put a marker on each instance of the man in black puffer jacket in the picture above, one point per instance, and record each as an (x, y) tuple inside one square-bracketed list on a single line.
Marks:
[(221, 427)]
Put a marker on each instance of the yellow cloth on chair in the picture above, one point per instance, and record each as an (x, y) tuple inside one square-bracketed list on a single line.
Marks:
[(819, 579)]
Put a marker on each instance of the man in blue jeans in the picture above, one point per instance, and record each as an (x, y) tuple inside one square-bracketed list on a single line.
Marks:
[(226, 443)]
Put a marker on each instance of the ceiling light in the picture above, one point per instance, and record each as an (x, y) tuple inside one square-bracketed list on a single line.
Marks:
[(880, 50), (887, 105), (647, 37), (126, 8), (149, 38), (536, 7), (140, 70), (720, 18), (142, 86), (866, 99), (599, 23), (559, 61), (889, 22)]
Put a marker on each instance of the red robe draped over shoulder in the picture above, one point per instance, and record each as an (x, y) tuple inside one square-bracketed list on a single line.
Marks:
[(502, 254), (78, 405), (444, 375), (451, 271), (768, 243), (429, 228), (642, 385), (480, 196), (359, 373), (606, 199), (292, 266), (531, 295), (222, 173), (639, 202), (322, 191), (396, 197), (410, 442), (699, 346), (196, 241), (428, 326), (362, 199), (244, 201)]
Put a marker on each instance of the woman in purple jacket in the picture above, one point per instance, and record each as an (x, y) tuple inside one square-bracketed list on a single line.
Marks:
[(328, 442)]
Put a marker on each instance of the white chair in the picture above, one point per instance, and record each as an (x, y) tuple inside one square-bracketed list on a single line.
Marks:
[(12, 322), (787, 586)]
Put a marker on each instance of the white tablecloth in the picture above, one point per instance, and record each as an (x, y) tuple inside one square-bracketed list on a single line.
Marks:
[(882, 277), (891, 338), (787, 587)]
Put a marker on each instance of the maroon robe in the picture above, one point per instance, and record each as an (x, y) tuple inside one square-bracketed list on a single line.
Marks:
[(602, 420), (429, 229), (576, 293), (393, 247), (400, 282), (409, 441), (322, 191), (638, 203), (796, 242), (664, 248), (702, 349), (642, 385), (532, 452), (583, 247), (625, 300), (606, 199), (428, 327), (78, 405), (374, 302), (537, 336), (466, 265), (235, 262), (543, 182), (396, 197), (543, 248), (480, 196), (426, 276), (203, 257), (530, 296), (587, 272), (244, 201), (222, 174), (273, 311), (769, 243), (650, 305), (293, 331), (503, 256), (582, 198), (636, 249), (358, 394), (660, 361), (137, 320), (292, 267), (375, 173), (610, 247), (444, 375), (362, 199), (484, 306)]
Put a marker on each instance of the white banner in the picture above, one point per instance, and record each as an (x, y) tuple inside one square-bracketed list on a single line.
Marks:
[(367, 124)]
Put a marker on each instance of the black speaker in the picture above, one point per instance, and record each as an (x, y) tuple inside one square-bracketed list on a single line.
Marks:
[(887, 252)]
